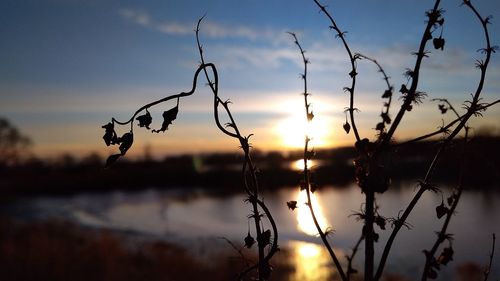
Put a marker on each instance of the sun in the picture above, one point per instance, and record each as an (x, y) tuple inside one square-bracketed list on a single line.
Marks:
[(293, 129)]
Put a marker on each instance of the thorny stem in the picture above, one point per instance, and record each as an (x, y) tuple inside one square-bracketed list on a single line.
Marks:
[(472, 109), (352, 58), (306, 184), (214, 86), (488, 268), (387, 105), (446, 128), (368, 232), (429, 256), (414, 82), (248, 168), (370, 195), (274, 246)]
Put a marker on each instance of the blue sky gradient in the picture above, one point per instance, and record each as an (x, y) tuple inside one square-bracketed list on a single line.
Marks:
[(68, 66)]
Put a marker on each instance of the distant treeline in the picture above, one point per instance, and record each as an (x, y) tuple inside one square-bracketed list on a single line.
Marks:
[(223, 171)]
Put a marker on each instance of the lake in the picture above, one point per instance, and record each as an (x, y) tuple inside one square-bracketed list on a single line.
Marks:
[(193, 217)]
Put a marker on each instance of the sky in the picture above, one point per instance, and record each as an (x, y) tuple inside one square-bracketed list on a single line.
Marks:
[(68, 66)]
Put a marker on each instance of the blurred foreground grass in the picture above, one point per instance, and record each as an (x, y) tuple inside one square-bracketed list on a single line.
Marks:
[(56, 250), (61, 251)]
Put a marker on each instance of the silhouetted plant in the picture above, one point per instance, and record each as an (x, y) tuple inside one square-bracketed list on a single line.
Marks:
[(371, 173), (266, 239)]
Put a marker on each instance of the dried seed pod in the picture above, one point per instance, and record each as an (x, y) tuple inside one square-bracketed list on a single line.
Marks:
[(347, 127), (249, 241)]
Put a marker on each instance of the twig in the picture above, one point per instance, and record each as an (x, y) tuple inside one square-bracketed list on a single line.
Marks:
[(487, 270), (352, 58), (444, 129), (411, 93), (386, 119), (238, 250), (350, 269), (306, 182), (252, 187), (472, 109), (450, 106), (430, 260), (248, 169)]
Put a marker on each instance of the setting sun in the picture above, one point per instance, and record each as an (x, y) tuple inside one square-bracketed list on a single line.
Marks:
[(293, 129)]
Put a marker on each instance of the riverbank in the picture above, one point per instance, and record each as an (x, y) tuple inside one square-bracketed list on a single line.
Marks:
[(222, 172)]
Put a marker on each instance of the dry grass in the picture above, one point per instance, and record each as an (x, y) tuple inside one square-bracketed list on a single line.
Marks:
[(54, 250)]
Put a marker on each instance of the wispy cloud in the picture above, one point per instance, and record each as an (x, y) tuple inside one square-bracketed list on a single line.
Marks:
[(210, 28), (136, 16)]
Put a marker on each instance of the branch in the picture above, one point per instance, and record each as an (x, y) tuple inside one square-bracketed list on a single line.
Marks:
[(350, 269), (450, 106), (386, 119), (487, 270), (352, 58), (248, 168), (446, 256), (446, 128), (433, 15), (306, 182), (473, 109)]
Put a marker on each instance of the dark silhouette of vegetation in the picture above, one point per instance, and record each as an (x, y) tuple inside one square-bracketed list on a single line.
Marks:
[(374, 157), (266, 239), (13, 144), (374, 160)]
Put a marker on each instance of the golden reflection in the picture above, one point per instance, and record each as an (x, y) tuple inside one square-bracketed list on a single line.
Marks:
[(305, 223), (311, 262), (298, 165)]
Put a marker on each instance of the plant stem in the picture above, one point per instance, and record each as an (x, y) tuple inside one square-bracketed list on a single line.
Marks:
[(306, 185), (442, 234), (414, 82), (369, 234)]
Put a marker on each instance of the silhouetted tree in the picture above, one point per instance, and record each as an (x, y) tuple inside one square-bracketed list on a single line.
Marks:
[(13, 144)]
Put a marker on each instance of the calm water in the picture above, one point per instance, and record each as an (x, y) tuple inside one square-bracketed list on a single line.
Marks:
[(184, 217)]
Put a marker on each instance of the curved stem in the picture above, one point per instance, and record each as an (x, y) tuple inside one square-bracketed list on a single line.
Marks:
[(177, 96), (387, 105), (352, 60), (248, 168)]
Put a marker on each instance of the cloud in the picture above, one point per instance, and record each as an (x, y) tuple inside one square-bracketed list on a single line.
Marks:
[(210, 28), (136, 16)]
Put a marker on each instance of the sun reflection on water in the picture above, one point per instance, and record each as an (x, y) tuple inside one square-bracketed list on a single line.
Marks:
[(305, 222), (311, 262), (298, 165)]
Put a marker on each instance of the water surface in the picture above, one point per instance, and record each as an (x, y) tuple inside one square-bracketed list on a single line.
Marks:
[(183, 216)]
